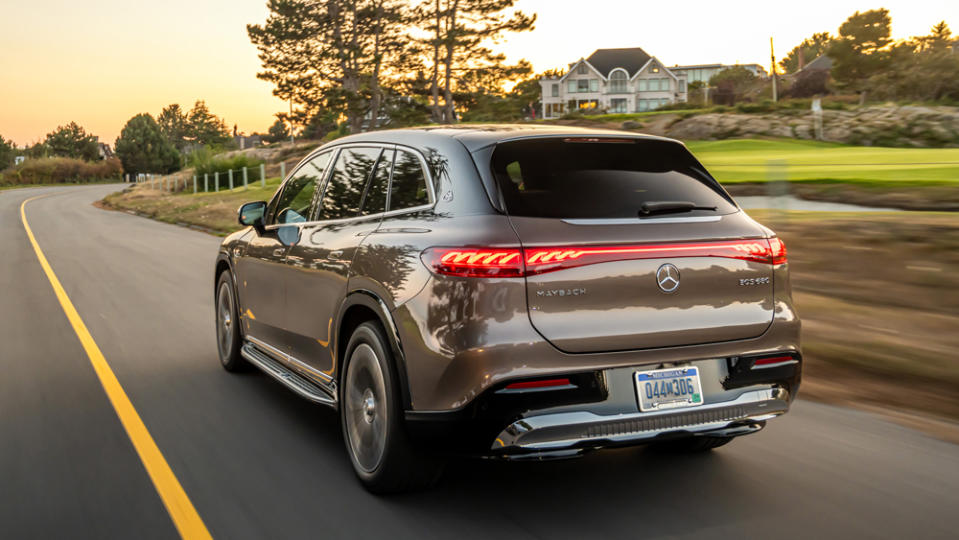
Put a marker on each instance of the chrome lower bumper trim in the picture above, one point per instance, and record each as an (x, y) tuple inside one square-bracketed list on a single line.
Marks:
[(585, 429)]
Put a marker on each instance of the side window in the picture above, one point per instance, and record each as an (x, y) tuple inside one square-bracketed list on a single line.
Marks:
[(374, 201), (344, 191), (408, 188), (293, 203)]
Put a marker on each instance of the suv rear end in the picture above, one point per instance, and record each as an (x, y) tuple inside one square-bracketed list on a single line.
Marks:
[(622, 298)]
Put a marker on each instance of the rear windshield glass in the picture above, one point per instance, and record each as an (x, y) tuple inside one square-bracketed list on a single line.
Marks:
[(584, 179)]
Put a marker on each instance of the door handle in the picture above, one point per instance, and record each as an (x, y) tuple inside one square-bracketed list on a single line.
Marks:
[(335, 254), (278, 252)]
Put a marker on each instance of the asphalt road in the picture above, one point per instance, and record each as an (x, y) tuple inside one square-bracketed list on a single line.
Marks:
[(259, 462)]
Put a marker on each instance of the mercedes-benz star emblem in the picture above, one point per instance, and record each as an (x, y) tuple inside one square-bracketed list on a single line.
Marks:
[(667, 277)]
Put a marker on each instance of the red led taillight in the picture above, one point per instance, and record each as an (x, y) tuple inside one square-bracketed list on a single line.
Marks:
[(778, 250), (517, 262), (475, 262)]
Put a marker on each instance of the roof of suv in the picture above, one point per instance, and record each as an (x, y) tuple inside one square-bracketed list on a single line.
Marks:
[(477, 136)]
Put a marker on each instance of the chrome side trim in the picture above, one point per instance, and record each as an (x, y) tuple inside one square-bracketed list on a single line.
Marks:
[(295, 382), (644, 221), (584, 429), (326, 382)]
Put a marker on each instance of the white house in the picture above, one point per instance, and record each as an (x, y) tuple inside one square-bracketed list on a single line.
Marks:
[(616, 80)]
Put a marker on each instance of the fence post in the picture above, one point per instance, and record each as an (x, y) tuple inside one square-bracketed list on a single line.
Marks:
[(246, 179), (194, 184), (216, 181), (206, 182), (282, 170), (231, 179), (262, 175)]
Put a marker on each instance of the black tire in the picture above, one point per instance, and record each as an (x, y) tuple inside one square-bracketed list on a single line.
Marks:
[(228, 330), (371, 416), (690, 445)]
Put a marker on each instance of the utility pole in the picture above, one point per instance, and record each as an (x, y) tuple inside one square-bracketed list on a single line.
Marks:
[(772, 55)]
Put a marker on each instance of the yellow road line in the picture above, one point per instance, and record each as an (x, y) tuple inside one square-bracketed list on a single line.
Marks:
[(181, 510)]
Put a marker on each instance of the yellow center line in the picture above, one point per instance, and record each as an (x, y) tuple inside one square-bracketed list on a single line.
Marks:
[(178, 505)]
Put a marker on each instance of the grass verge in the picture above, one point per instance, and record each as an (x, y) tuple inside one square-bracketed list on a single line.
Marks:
[(213, 211)]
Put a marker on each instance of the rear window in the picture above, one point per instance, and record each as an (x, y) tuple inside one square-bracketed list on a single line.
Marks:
[(573, 178)]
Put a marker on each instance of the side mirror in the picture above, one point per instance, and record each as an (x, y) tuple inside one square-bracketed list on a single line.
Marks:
[(251, 215)]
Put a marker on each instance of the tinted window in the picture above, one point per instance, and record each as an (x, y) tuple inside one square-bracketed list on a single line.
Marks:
[(345, 188), (569, 178), (374, 201), (293, 203), (408, 188)]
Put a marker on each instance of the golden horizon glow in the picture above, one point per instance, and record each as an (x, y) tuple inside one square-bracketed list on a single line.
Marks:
[(99, 64)]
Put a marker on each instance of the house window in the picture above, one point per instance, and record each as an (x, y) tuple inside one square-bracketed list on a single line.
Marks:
[(617, 83), (617, 105), (682, 86), (554, 110), (583, 85), (594, 85), (581, 70), (554, 90)]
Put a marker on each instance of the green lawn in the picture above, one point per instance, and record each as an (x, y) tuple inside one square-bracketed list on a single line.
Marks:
[(750, 160)]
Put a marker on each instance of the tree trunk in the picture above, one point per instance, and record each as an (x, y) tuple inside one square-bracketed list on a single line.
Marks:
[(375, 89), (435, 113), (449, 109)]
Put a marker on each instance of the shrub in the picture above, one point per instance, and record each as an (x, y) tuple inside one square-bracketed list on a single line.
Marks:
[(59, 170)]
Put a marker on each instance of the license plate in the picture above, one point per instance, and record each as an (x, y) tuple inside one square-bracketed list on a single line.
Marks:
[(669, 388)]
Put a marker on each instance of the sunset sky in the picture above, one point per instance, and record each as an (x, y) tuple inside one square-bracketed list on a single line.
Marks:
[(100, 63)]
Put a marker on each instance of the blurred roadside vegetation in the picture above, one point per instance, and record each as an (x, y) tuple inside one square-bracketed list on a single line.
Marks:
[(67, 155), (876, 293)]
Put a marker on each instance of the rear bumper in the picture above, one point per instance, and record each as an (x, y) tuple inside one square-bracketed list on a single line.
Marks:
[(600, 409), (555, 434)]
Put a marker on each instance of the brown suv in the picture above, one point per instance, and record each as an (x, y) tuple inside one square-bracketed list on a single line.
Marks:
[(510, 291)]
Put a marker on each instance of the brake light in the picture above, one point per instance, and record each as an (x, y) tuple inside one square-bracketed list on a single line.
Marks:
[(516, 262)]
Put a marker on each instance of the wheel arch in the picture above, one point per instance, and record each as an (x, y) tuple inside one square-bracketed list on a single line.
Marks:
[(358, 307), (224, 264)]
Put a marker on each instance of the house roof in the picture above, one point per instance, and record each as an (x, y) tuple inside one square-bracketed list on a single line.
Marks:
[(821, 62), (606, 60)]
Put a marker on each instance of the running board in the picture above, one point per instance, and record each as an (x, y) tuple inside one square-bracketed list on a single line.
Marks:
[(292, 380)]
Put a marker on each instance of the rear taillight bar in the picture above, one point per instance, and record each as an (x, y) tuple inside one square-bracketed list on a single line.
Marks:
[(519, 262)]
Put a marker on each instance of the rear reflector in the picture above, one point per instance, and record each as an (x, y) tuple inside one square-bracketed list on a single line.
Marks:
[(542, 383), (516, 262), (773, 362)]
